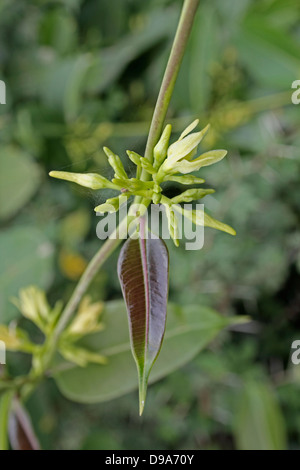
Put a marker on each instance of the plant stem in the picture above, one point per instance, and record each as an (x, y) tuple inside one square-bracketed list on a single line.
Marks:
[(160, 111), (164, 97), (97, 261), (167, 87), (5, 401)]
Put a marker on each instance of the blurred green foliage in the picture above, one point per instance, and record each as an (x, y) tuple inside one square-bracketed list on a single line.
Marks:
[(81, 73)]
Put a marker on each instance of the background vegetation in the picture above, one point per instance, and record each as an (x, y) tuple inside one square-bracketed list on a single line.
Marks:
[(81, 73)]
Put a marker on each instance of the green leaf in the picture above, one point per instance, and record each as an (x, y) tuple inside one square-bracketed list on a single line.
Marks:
[(203, 54), (259, 423), (57, 30), (19, 180), (270, 55), (62, 84), (26, 258), (143, 270), (189, 330), (113, 60)]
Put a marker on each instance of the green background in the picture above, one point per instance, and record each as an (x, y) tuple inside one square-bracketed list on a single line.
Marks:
[(81, 74)]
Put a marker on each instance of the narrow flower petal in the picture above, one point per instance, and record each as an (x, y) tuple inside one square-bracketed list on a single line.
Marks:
[(182, 148), (206, 159), (201, 218), (211, 157), (189, 129), (213, 223)]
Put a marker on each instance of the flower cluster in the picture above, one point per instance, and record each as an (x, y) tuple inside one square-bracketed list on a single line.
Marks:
[(172, 163), (33, 305)]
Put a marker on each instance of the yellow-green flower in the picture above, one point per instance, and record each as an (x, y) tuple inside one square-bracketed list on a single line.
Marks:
[(180, 154), (170, 163)]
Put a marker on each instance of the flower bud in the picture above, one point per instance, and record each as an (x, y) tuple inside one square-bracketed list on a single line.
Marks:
[(88, 180), (115, 162), (160, 150), (173, 223), (134, 157), (191, 195), (147, 166), (186, 179), (112, 205)]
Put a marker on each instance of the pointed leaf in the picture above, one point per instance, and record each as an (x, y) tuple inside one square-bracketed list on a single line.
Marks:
[(143, 272)]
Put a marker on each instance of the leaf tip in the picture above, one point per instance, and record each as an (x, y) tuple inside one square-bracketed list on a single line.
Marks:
[(142, 395), (142, 406)]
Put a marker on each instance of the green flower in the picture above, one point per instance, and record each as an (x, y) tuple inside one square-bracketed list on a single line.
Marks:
[(180, 154), (33, 305), (170, 163)]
